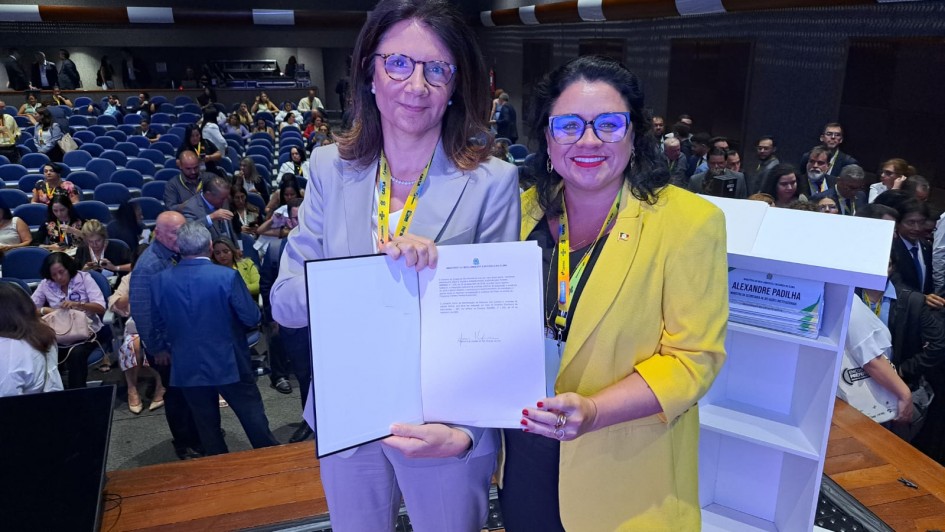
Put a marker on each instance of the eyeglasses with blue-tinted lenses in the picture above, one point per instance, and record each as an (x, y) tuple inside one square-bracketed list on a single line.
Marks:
[(609, 127), (399, 67)]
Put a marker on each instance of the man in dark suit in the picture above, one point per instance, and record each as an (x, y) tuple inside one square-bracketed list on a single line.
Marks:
[(16, 77), (505, 123), (911, 255), (765, 149), (69, 78), (44, 73), (209, 207), (848, 193), (831, 139), (818, 179), (212, 359), (133, 75), (719, 180), (676, 162)]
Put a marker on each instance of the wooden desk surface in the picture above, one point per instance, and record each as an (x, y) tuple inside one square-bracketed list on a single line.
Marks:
[(866, 460), (277, 484), (224, 492)]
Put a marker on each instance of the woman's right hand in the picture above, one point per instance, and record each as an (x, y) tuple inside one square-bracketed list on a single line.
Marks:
[(418, 252)]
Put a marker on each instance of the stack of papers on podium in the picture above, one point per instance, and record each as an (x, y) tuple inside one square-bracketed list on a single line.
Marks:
[(776, 302)]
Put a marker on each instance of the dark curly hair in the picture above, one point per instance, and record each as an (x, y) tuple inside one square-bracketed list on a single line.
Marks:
[(646, 174)]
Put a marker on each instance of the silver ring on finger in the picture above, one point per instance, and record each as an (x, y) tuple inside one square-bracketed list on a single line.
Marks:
[(559, 434), (561, 421)]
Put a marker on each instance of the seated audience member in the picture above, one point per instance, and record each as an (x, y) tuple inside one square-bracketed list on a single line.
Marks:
[(682, 132), (717, 180), (321, 137), (314, 122), (847, 193), (246, 118), (248, 177), (918, 187), (14, 233), (235, 127), (210, 207), (287, 111), (262, 127), (761, 196), (148, 132), (213, 359), (9, 135), (799, 205), (47, 135), (676, 162), (187, 184), (130, 357), (526, 178), (65, 287), (263, 103), (784, 186), (288, 189), (290, 122), (28, 350), (311, 102), (911, 255), (145, 108), (733, 162), (892, 175), (97, 252), (127, 224), (288, 347), (279, 221), (113, 107), (30, 108), (225, 253), (59, 99), (826, 204), (830, 140), (63, 227), (500, 150), (211, 130), (245, 214), (206, 151), (296, 163)]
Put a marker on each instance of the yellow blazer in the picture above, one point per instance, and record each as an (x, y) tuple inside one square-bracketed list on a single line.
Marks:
[(656, 303)]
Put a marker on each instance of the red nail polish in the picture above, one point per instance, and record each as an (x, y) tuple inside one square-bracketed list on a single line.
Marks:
[(524, 422), (525, 412), (541, 404)]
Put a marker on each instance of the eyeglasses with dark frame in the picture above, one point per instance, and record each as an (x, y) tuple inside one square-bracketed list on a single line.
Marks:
[(399, 67), (608, 127)]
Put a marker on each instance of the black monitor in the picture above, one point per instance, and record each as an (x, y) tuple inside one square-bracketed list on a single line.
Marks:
[(53, 451)]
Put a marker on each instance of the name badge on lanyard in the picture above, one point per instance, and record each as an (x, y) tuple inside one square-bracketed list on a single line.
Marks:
[(553, 352)]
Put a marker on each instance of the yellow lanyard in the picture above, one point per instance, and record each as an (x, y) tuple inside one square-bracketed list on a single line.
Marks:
[(567, 283), (383, 201), (199, 184), (198, 147), (50, 192), (833, 160), (875, 307)]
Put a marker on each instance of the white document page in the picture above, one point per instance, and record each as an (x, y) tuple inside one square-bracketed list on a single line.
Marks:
[(482, 340), (365, 333)]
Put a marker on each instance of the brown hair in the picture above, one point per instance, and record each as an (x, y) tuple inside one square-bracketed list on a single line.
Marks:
[(20, 321), (462, 121), (900, 166)]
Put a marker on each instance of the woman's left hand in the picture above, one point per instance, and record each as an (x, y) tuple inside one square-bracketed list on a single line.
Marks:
[(418, 252), (562, 417), (69, 305), (431, 440)]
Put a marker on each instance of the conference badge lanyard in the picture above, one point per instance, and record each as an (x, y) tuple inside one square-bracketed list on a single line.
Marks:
[(199, 184), (383, 201), (566, 281)]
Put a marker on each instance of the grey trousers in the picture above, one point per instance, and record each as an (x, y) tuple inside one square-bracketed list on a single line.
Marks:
[(442, 494)]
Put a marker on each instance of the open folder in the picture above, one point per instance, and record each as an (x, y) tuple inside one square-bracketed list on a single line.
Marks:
[(462, 343)]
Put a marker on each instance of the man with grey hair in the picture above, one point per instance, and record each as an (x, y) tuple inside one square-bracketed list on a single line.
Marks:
[(212, 359), (848, 192), (209, 206), (676, 162)]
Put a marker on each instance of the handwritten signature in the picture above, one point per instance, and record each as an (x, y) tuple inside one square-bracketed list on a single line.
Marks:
[(478, 337)]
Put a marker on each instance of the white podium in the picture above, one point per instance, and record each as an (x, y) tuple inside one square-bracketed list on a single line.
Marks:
[(764, 422)]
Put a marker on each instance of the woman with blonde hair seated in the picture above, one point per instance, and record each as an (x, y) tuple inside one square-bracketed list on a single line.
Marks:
[(97, 252)]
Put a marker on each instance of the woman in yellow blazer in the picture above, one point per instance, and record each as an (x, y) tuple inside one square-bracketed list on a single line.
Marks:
[(636, 309), (225, 253)]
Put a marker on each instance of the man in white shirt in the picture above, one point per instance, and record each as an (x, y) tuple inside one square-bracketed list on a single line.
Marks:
[(310, 102)]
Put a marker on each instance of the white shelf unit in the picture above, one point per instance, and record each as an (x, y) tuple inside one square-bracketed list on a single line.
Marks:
[(765, 421)]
